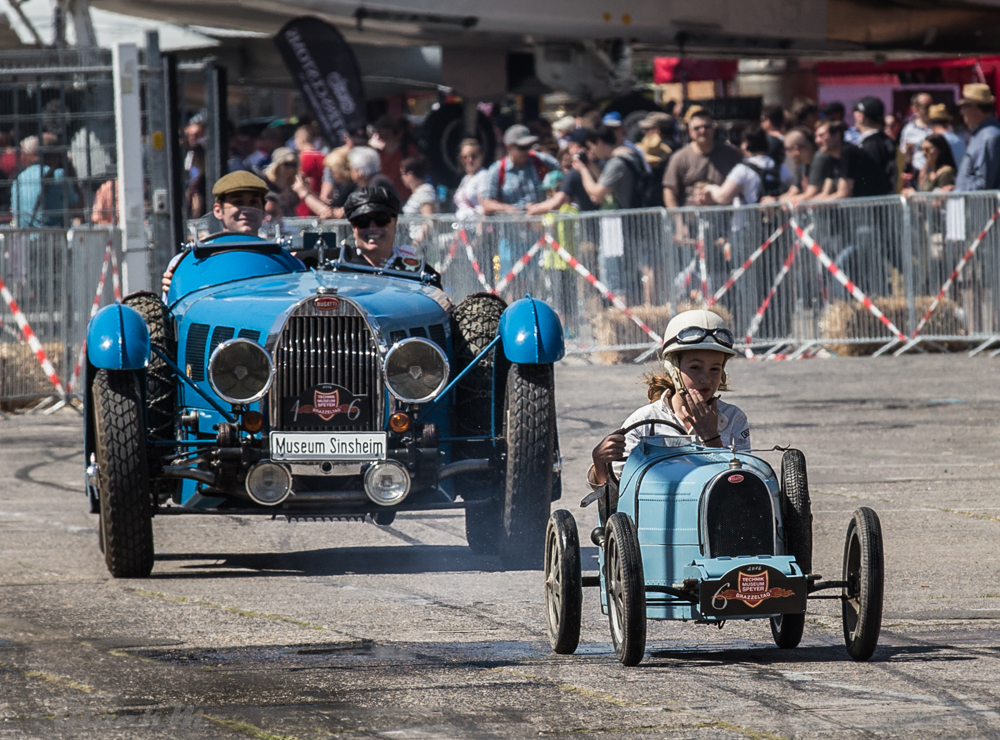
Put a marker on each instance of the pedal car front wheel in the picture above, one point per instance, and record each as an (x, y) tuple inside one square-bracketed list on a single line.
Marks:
[(626, 592), (563, 589), (787, 630), (864, 574)]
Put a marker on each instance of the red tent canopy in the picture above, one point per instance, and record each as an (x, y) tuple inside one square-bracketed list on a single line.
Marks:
[(676, 69)]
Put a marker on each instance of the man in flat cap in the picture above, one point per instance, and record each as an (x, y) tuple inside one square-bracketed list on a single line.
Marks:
[(239, 207), (980, 167)]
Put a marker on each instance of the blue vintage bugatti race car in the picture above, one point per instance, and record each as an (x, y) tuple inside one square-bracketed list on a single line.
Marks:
[(334, 392), (704, 534)]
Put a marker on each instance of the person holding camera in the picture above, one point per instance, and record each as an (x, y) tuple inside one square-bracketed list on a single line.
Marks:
[(572, 191)]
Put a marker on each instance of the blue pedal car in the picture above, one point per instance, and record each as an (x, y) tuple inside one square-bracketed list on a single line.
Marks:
[(707, 535)]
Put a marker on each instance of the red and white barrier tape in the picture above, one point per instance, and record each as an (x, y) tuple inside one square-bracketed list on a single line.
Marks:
[(115, 282), (589, 277), (843, 280), (755, 324), (29, 335), (475, 263), (738, 272), (93, 312), (958, 268), (519, 266)]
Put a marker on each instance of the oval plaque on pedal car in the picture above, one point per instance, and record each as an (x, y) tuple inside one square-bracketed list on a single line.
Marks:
[(326, 303), (735, 478)]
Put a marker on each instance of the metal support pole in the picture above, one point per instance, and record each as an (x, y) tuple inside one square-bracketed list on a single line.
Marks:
[(128, 127), (175, 178), (159, 165), (216, 124)]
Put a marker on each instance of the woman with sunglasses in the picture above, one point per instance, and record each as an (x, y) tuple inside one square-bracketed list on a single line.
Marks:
[(696, 347), (939, 170)]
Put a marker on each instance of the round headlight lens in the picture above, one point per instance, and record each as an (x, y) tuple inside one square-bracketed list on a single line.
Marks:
[(269, 483), (387, 483), (416, 370), (240, 371)]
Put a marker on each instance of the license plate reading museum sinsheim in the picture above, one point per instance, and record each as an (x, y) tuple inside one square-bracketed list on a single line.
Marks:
[(296, 446)]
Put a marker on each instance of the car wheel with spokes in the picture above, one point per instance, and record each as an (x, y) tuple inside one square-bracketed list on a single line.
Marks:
[(563, 589), (625, 587), (864, 575)]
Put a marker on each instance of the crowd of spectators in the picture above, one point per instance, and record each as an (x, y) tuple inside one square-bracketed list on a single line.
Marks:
[(603, 161)]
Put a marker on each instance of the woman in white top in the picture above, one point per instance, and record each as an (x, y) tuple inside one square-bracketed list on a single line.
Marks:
[(423, 199), (467, 206), (745, 184)]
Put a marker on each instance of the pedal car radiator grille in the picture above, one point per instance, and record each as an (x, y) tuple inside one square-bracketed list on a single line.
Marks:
[(738, 519), (326, 373)]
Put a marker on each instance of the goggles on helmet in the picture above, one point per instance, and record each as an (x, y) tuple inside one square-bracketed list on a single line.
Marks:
[(695, 334)]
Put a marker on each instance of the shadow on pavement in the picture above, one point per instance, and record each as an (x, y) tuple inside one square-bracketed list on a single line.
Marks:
[(806, 654), (329, 562)]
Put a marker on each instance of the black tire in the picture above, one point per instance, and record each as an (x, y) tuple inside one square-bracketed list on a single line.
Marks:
[(563, 585), (797, 508), (161, 384), (530, 432), (626, 589), (787, 629), (474, 324), (864, 572), (126, 509)]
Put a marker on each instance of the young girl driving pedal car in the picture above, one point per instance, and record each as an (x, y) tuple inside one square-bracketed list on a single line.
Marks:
[(696, 347)]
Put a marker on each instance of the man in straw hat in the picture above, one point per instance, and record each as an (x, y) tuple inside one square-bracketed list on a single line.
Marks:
[(980, 167), (940, 121)]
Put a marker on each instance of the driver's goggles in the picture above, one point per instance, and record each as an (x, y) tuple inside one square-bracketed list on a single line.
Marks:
[(381, 220), (695, 334)]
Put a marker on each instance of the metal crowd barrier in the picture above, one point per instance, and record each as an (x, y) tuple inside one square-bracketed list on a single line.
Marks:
[(861, 276), (52, 282)]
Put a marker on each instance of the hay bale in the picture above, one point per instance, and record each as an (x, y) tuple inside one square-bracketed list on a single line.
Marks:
[(850, 320), (613, 328), (22, 375)]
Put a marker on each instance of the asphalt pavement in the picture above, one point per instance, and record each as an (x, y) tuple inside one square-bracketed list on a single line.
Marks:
[(267, 629)]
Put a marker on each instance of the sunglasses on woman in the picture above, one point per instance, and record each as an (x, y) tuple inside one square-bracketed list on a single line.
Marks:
[(379, 219), (694, 334)]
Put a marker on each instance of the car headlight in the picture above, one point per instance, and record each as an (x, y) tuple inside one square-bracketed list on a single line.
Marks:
[(416, 370), (240, 371)]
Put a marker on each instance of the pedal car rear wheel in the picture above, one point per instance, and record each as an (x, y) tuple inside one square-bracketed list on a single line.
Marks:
[(530, 430), (126, 511), (626, 589), (864, 572), (796, 508), (787, 630), (563, 588)]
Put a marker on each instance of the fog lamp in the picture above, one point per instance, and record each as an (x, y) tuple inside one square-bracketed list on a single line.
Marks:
[(387, 482), (269, 483)]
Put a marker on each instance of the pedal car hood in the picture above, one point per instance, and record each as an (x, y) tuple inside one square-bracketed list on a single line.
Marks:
[(262, 304)]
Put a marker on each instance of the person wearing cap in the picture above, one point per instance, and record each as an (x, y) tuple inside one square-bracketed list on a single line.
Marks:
[(916, 129), (239, 207), (614, 122), (515, 182), (656, 144), (940, 121), (980, 167), (373, 214), (869, 119), (696, 347)]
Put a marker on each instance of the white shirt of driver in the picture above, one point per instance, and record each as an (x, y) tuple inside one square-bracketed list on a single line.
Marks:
[(733, 424)]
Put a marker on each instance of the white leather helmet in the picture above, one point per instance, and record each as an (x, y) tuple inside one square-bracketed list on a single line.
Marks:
[(697, 329)]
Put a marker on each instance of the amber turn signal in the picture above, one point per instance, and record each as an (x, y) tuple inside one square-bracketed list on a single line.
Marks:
[(252, 421), (399, 422)]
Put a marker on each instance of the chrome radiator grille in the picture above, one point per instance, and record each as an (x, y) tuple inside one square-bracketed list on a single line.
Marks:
[(315, 350)]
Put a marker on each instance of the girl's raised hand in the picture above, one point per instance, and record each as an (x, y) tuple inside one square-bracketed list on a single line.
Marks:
[(700, 414), (610, 449)]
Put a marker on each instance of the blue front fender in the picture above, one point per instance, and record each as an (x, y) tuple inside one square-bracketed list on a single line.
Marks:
[(117, 339), (531, 333)]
